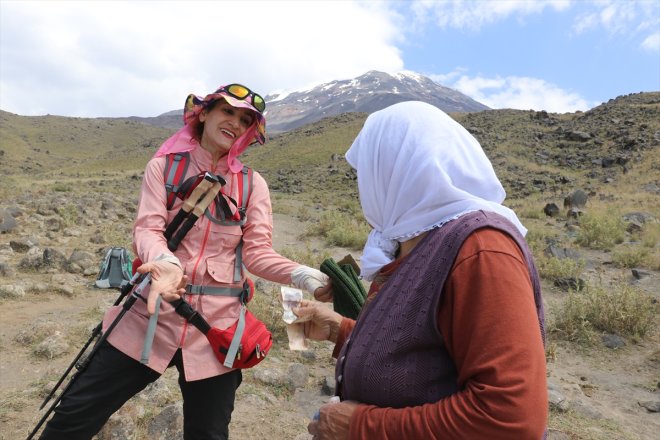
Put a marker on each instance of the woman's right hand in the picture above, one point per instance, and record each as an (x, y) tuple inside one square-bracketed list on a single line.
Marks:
[(320, 322), (167, 280)]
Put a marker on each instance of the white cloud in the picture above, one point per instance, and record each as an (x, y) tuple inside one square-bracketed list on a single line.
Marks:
[(652, 42), (630, 19), (625, 18), (515, 92), (113, 58), (474, 14)]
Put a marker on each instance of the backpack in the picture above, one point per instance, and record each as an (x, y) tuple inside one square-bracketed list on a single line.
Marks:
[(115, 270)]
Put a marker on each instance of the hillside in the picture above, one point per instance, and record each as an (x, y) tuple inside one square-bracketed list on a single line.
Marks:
[(69, 191)]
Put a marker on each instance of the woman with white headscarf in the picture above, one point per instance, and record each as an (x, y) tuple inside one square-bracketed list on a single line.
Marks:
[(450, 342)]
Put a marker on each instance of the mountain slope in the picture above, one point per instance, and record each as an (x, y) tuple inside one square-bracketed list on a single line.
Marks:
[(367, 93)]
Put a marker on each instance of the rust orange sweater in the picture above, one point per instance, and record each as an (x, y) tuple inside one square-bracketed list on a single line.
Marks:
[(488, 320)]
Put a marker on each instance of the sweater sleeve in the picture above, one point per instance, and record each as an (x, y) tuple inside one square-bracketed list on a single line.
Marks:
[(488, 320), (345, 329)]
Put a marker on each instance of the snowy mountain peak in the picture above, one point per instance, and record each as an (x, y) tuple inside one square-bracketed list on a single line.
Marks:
[(369, 92)]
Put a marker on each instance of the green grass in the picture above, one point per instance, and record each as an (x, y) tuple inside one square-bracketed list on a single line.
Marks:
[(600, 230), (552, 268), (631, 257), (341, 229), (619, 309), (48, 146), (305, 254)]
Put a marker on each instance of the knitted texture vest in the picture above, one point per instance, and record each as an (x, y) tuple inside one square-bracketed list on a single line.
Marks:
[(395, 355)]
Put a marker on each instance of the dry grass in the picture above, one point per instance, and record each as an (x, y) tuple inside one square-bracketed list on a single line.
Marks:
[(619, 309)]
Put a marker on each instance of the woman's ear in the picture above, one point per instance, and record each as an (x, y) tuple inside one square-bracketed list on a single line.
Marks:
[(202, 116)]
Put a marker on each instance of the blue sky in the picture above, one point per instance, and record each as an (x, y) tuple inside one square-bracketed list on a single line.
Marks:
[(121, 58)]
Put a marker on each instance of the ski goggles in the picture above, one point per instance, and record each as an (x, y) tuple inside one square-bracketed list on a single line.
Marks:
[(241, 92)]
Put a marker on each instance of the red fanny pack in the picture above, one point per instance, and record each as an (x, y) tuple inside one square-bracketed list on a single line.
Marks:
[(252, 347), (243, 345)]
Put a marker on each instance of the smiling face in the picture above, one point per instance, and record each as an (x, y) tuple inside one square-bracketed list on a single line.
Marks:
[(223, 124)]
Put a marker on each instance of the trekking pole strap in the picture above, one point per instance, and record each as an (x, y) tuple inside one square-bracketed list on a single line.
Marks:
[(151, 332)]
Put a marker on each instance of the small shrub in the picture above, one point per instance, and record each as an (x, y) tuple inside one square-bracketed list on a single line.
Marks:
[(600, 231), (621, 310), (62, 187), (650, 235), (350, 206), (550, 351), (268, 308), (339, 229), (631, 256), (70, 215), (304, 214), (552, 268), (305, 255), (539, 238)]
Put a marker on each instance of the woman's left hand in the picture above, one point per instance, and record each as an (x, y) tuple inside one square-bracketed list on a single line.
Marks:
[(333, 422)]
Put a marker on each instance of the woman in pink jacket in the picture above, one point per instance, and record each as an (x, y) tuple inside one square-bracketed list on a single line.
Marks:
[(207, 262)]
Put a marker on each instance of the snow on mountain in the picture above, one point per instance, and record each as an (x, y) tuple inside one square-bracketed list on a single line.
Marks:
[(367, 93)]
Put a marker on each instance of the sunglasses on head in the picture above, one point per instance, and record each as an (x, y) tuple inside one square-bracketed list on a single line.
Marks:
[(241, 92)]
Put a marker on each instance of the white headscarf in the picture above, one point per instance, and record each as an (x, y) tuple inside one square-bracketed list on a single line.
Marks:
[(417, 169)]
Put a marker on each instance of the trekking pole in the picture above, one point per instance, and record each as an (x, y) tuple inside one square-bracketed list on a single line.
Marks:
[(144, 280), (190, 202), (125, 290), (193, 215)]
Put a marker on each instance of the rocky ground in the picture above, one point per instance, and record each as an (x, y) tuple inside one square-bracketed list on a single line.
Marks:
[(49, 261)]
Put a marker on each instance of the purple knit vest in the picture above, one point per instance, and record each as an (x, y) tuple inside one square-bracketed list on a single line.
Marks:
[(395, 355)]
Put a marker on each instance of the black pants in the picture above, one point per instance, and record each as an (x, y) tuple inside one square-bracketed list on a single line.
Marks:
[(112, 378)]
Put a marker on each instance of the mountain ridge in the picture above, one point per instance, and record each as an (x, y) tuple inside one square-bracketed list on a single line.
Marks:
[(367, 93)]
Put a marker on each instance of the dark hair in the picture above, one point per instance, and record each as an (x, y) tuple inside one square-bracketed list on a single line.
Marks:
[(200, 127)]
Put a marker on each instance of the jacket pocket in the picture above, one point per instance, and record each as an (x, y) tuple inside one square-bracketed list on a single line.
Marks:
[(221, 271)]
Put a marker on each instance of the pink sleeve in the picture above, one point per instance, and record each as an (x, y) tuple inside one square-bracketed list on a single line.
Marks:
[(151, 217), (259, 256)]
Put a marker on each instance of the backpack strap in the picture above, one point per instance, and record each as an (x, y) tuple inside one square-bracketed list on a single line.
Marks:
[(176, 166), (244, 181), (244, 192)]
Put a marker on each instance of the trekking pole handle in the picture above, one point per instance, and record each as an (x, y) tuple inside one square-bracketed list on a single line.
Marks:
[(196, 213)]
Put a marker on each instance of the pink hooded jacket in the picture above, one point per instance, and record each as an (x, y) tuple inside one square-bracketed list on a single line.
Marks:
[(207, 256)]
